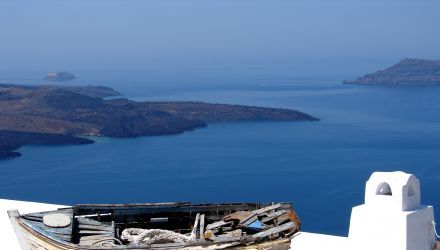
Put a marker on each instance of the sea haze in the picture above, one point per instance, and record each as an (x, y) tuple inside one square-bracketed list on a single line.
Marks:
[(319, 166)]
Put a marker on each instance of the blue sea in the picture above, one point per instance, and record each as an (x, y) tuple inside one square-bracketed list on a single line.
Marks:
[(321, 167)]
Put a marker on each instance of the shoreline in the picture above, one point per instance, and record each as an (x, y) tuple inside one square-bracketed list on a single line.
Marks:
[(57, 115)]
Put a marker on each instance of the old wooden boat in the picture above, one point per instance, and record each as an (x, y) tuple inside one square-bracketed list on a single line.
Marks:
[(179, 225)]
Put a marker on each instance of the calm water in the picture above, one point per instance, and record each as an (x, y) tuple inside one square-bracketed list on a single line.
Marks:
[(321, 167)]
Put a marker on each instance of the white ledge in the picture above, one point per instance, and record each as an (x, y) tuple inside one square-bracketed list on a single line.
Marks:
[(312, 241)]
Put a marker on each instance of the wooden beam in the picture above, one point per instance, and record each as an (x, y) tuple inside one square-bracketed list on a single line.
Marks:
[(202, 226), (194, 230)]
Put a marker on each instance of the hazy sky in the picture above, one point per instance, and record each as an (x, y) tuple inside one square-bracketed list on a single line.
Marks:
[(124, 34)]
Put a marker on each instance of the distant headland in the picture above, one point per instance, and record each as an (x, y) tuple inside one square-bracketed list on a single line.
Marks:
[(60, 76), (56, 115), (406, 72)]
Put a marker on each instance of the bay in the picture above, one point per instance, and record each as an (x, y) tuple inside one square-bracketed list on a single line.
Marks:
[(319, 166)]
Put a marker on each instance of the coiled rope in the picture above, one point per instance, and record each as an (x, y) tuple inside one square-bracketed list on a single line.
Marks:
[(107, 242), (152, 236)]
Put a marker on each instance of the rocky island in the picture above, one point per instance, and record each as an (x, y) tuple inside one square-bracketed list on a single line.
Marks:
[(406, 72), (60, 76), (56, 115), (10, 141)]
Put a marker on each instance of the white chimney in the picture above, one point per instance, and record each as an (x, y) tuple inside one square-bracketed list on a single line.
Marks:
[(392, 217)]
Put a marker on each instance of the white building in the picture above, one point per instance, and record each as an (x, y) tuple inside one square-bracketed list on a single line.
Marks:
[(392, 218)]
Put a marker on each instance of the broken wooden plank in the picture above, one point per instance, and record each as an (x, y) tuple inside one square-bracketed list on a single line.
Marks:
[(275, 230), (238, 216), (97, 228), (224, 229), (194, 230), (267, 209), (93, 232), (273, 215), (283, 218), (235, 233), (252, 215), (87, 221), (89, 240), (202, 226), (249, 220), (218, 224)]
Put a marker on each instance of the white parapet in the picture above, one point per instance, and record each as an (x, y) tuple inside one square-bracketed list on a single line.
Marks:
[(392, 216), (312, 241)]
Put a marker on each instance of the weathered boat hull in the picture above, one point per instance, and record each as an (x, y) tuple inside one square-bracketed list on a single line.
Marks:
[(34, 238), (30, 239)]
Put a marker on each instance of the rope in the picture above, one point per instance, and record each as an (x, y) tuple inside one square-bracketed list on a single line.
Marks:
[(107, 241), (152, 236)]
